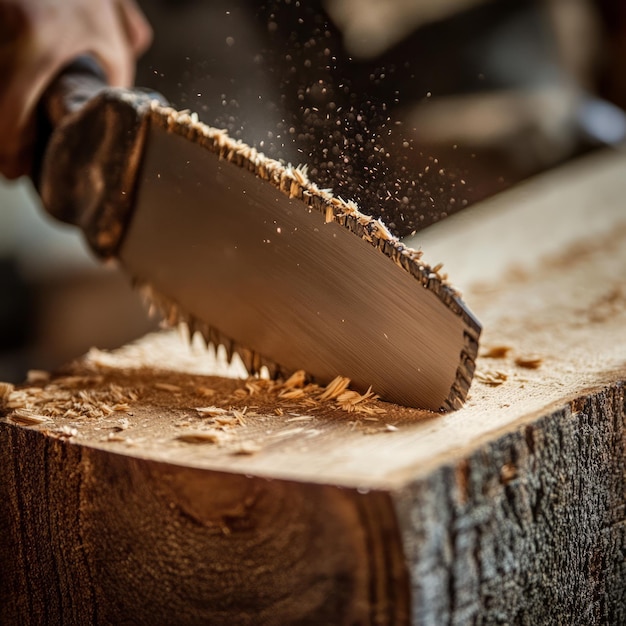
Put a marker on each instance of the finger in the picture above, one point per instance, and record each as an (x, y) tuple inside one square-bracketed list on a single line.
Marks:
[(118, 64), (131, 35), (113, 49), (136, 26)]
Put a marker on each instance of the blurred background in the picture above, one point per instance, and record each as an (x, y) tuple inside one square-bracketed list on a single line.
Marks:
[(414, 108)]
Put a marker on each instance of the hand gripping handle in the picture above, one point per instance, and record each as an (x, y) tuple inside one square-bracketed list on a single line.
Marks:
[(93, 138)]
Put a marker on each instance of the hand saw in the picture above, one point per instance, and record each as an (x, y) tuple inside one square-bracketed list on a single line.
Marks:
[(249, 252)]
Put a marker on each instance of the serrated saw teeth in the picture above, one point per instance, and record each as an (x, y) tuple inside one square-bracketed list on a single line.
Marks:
[(252, 361), (273, 370), (193, 328), (173, 316), (229, 346), (247, 358), (213, 336)]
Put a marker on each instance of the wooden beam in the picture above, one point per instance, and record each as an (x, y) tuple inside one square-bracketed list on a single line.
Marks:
[(140, 486)]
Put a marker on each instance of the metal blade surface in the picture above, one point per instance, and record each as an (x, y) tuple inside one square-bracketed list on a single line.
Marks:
[(272, 274)]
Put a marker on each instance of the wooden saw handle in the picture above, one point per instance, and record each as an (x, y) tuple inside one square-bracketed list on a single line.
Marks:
[(92, 139), (78, 83)]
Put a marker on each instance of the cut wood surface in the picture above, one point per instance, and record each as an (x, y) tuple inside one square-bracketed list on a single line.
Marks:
[(145, 484)]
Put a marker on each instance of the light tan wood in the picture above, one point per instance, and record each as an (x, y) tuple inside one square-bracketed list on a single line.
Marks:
[(424, 517)]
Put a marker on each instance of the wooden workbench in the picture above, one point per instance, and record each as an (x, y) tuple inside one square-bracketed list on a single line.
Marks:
[(143, 486)]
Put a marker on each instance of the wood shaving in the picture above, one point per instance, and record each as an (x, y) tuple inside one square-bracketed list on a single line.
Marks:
[(61, 398), (297, 379), (25, 418), (496, 352), (201, 437), (351, 401), (236, 412), (210, 411), (311, 396), (246, 448), (17, 400), (531, 362), (252, 388), (225, 420), (239, 416), (6, 389), (369, 410), (168, 387), (291, 394), (300, 418), (335, 388), (116, 438), (205, 391), (492, 378)]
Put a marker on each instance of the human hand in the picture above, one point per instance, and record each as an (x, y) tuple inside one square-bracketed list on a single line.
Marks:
[(38, 38)]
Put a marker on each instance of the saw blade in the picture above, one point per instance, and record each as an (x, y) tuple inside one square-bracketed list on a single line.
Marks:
[(257, 258)]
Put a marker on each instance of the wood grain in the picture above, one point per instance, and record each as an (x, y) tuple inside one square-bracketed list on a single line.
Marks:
[(95, 537), (511, 510)]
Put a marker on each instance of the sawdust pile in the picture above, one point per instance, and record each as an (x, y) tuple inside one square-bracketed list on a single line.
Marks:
[(67, 397), (199, 410)]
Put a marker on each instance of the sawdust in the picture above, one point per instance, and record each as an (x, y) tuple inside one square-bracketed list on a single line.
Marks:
[(69, 397), (74, 406)]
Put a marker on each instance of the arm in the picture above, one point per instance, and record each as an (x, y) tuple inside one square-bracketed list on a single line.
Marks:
[(38, 38)]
